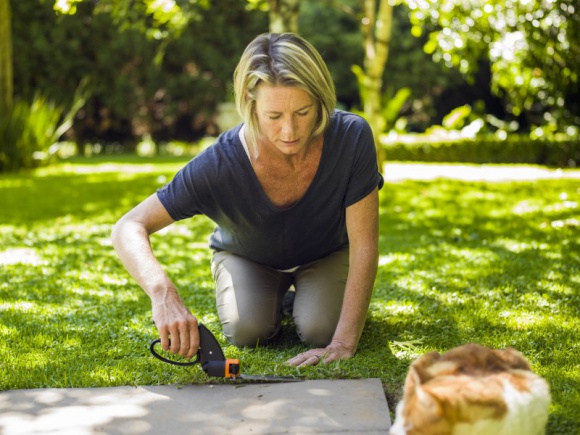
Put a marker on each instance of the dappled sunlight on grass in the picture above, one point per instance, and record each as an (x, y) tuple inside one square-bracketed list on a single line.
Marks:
[(389, 308), (115, 164), (70, 196), (492, 261), (20, 256), (483, 262), (21, 306), (61, 281)]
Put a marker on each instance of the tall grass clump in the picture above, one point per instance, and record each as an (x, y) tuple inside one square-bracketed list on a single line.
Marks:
[(29, 130)]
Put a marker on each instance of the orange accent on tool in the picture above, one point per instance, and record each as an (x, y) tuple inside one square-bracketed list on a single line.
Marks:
[(232, 369)]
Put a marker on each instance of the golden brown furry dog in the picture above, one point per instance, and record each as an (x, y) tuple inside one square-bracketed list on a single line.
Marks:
[(472, 390)]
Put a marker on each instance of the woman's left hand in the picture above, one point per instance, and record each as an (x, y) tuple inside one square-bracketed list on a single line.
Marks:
[(333, 352)]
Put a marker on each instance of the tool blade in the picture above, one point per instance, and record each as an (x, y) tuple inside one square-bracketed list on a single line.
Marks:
[(267, 378)]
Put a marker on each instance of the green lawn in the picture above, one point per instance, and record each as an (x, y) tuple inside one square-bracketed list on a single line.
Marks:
[(491, 262)]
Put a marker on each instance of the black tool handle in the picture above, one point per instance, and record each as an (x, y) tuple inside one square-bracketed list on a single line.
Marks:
[(175, 363), (210, 353), (209, 348)]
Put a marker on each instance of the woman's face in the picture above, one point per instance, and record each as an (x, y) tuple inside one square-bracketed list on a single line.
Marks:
[(287, 116)]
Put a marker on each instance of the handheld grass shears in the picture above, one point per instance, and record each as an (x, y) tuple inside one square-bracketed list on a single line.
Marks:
[(212, 360)]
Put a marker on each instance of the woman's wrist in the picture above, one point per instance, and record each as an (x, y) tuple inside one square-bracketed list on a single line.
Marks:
[(163, 294)]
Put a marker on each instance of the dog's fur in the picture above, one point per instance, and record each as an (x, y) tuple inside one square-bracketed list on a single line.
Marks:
[(472, 390)]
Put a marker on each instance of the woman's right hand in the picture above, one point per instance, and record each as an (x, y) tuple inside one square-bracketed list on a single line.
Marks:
[(130, 238), (176, 325)]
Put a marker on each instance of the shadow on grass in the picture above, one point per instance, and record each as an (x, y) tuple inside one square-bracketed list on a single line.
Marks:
[(29, 201), (68, 302), (460, 262), (481, 262)]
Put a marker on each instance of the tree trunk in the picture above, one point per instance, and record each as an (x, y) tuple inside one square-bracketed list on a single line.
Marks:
[(284, 16), (376, 28), (6, 79)]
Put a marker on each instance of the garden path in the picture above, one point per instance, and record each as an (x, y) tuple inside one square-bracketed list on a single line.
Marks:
[(309, 407)]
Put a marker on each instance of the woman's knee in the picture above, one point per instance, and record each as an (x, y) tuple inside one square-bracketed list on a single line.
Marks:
[(314, 330), (247, 332), (248, 297), (319, 296)]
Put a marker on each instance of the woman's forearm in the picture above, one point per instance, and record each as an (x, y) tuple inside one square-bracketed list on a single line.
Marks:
[(130, 237), (363, 234), (131, 241), (357, 296)]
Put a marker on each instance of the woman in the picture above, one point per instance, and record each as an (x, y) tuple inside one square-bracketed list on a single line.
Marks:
[(294, 193)]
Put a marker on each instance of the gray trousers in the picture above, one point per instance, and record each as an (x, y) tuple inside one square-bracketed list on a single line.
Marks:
[(249, 298)]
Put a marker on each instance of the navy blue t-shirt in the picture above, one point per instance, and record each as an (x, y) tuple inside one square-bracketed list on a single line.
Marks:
[(221, 184)]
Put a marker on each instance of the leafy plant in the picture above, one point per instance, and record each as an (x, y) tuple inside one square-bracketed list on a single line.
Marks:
[(392, 106), (391, 102), (30, 130), (531, 47), (455, 119)]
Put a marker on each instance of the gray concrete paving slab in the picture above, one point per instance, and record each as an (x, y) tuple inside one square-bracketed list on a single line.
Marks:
[(310, 407)]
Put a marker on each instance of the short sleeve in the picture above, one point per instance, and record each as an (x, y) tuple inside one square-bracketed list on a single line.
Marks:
[(178, 196), (364, 175), (186, 194)]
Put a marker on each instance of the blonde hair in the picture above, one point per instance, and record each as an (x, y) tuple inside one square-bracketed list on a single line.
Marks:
[(282, 59)]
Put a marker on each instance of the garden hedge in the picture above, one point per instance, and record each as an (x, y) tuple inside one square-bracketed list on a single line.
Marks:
[(514, 149)]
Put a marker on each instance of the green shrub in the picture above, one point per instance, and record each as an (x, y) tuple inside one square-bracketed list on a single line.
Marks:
[(562, 152), (28, 131)]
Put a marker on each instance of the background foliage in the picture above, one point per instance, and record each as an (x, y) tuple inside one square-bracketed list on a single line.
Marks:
[(157, 71), (530, 47), (560, 152), (141, 84), (461, 261)]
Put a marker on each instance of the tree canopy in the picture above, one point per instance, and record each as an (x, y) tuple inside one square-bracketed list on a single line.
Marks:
[(532, 47), (160, 67), (146, 75)]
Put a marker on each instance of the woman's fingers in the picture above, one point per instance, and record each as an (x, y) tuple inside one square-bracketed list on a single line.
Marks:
[(330, 353), (309, 358)]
